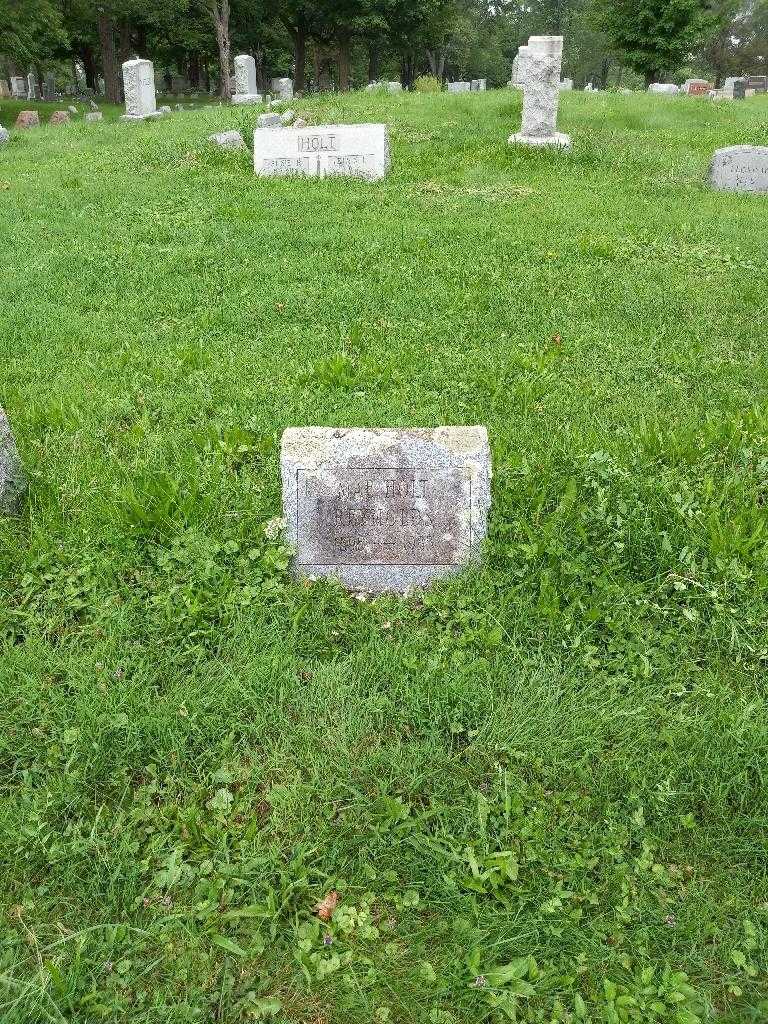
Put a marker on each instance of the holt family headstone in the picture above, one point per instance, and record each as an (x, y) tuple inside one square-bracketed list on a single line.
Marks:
[(354, 150)]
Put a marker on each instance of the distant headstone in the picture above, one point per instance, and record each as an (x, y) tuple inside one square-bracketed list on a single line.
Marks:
[(93, 116), (5, 135), (352, 150), (59, 117), (283, 87), (758, 82), (49, 87), (518, 67), (664, 88), (566, 84), (18, 87), (541, 94), (28, 119), (459, 86), (33, 90), (12, 479), (164, 109), (696, 87), (734, 88), (5, 91), (478, 84), (228, 140), (139, 88), (385, 510), (740, 169), (270, 121)]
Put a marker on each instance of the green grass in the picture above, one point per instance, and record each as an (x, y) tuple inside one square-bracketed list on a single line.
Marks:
[(549, 774)]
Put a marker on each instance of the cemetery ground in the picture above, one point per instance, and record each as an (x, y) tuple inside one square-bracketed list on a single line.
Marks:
[(538, 789)]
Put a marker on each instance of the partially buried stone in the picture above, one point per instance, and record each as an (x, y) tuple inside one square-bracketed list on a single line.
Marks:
[(287, 117), (59, 117), (383, 509), (270, 121), (28, 119), (5, 135), (72, 110), (94, 115), (12, 479), (228, 140), (740, 169)]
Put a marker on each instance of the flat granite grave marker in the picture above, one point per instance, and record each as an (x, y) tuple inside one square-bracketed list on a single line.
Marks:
[(353, 150), (459, 86), (740, 169), (382, 509), (12, 479)]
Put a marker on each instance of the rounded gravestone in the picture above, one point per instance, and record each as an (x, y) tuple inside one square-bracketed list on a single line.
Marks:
[(740, 169)]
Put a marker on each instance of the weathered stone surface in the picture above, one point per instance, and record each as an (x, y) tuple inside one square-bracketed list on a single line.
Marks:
[(697, 87), (283, 87), (59, 117), (740, 169), (664, 88), (72, 110), (18, 87), (287, 117), (353, 150), (246, 99), (245, 75), (28, 119), (12, 479), (33, 90), (269, 121), (758, 82), (541, 94), (735, 88), (5, 135), (139, 87), (566, 84), (299, 123), (228, 140), (94, 115), (478, 84), (459, 86), (385, 510)]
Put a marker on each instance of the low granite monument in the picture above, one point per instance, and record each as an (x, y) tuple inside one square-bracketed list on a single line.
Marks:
[(740, 169), (354, 150), (541, 94), (283, 88), (28, 119), (459, 86), (385, 510), (664, 88), (12, 479)]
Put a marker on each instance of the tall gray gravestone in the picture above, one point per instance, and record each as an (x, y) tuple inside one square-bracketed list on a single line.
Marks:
[(385, 510), (541, 94), (139, 88), (246, 91), (12, 479)]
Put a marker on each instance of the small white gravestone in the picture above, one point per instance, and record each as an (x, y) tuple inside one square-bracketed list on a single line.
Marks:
[(385, 510), (459, 86), (326, 150), (228, 140), (478, 84), (740, 169), (33, 91), (283, 87), (734, 88), (18, 88), (139, 88), (5, 135), (12, 479), (93, 116), (566, 84), (541, 94), (246, 90), (663, 88)]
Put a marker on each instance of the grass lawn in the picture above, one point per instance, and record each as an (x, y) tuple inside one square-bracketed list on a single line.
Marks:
[(540, 788)]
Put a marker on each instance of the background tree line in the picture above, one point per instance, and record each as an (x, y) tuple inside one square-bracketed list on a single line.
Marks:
[(346, 43)]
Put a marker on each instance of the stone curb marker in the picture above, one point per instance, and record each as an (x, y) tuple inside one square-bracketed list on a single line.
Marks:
[(385, 510)]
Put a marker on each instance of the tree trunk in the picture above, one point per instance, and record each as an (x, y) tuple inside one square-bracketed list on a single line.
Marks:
[(220, 13), (373, 63), (344, 62), (300, 58), (124, 47), (109, 64), (261, 74), (88, 58), (605, 67), (206, 76), (194, 70)]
